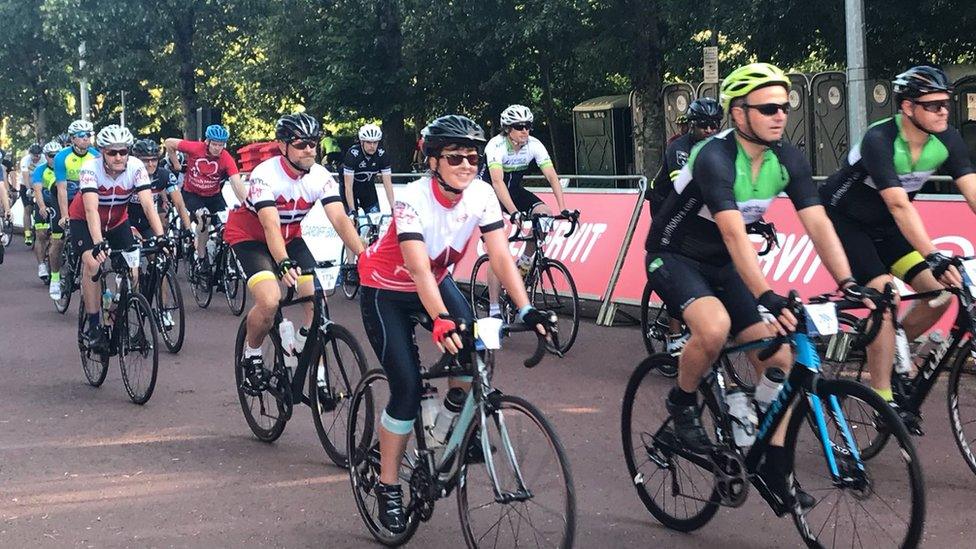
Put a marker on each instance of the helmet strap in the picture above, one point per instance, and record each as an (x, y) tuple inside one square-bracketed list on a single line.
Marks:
[(444, 186), (751, 136), (911, 120), (294, 166)]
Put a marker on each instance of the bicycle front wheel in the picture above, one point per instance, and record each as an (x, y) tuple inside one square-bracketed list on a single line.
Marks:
[(94, 364), (338, 363), (264, 413), (554, 290), (233, 281), (67, 279), (172, 314), (138, 349), (478, 293), (881, 501), (200, 286), (961, 399), (519, 452)]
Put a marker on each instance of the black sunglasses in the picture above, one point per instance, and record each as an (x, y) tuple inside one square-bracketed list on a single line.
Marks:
[(770, 109), (521, 127), (301, 144), (706, 125), (933, 106), (456, 159), (116, 152)]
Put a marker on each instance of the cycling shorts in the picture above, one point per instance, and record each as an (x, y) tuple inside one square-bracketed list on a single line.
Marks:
[(195, 201), (119, 237), (524, 200), (258, 264), (26, 195), (873, 252), (364, 196)]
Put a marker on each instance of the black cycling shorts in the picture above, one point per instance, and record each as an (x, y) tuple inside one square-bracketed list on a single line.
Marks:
[(119, 237), (680, 280), (875, 251), (364, 196), (213, 203), (27, 195), (258, 264), (524, 200)]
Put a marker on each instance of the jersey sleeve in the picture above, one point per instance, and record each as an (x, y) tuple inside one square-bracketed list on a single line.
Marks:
[(330, 188), (87, 180), (801, 189), (958, 164), (383, 162), (349, 160), (491, 215), (38, 175), (495, 153), (259, 193), (715, 175), (878, 158), (228, 164), (540, 154), (406, 218), (60, 169)]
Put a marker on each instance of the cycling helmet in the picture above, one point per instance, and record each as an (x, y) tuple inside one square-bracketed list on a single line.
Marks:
[(80, 126), (516, 114), (370, 132), (145, 148), (64, 139), (113, 134), (452, 129), (35, 149), (681, 119), (297, 126), (744, 80), (704, 110), (216, 132), (52, 147), (918, 81)]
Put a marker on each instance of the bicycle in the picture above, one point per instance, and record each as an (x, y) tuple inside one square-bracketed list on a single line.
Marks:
[(370, 225), (825, 457), (846, 358), (70, 272), (127, 321), (219, 269), (525, 505), (332, 361), (6, 234), (545, 293), (158, 282)]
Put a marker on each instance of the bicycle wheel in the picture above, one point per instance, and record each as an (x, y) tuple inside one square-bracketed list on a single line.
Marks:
[(881, 501), (477, 292), (679, 493), (741, 370), (362, 447), (554, 290), (200, 286), (95, 365), (233, 282), (655, 326), (529, 465), (338, 365), (138, 349), (961, 399), (350, 285), (264, 413), (172, 314), (67, 280)]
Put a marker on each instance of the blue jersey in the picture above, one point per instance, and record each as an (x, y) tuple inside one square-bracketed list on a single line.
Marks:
[(67, 166)]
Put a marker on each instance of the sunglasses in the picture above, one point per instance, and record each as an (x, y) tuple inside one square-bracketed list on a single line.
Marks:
[(706, 125), (456, 159), (933, 106), (116, 152), (770, 109), (149, 159), (521, 127), (82, 135), (302, 144), (50, 155)]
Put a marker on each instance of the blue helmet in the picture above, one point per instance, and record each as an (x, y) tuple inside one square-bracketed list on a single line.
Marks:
[(216, 132)]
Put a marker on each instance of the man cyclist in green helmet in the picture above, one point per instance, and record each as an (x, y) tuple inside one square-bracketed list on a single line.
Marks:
[(702, 263)]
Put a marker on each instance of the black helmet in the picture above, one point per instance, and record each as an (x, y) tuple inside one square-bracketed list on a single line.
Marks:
[(918, 81), (145, 148), (64, 139), (452, 129), (704, 110), (297, 126), (35, 148)]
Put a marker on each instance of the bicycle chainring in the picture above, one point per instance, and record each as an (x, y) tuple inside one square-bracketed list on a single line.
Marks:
[(730, 480), (423, 491)]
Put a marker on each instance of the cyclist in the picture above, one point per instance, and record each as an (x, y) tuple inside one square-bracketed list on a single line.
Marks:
[(682, 123), (162, 183), (702, 263), (266, 233), (100, 217), (67, 165), (704, 117), (207, 165), (5, 205), (509, 155), (43, 182), (870, 202), (406, 273), (331, 153), (27, 165), (362, 162)]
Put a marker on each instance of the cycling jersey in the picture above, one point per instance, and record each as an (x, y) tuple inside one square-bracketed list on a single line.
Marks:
[(675, 157), (363, 166), (43, 175), (420, 213), (113, 193), (162, 180), (67, 165), (501, 154), (883, 160), (204, 173), (718, 177), (272, 186), (28, 164)]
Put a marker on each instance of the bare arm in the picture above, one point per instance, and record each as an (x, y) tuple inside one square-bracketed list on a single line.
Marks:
[(238, 186), (176, 197), (90, 201), (347, 179), (417, 261), (557, 188), (907, 218), (4, 200), (62, 188), (967, 186), (172, 145), (271, 224), (344, 226), (145, 199), (388, 186)]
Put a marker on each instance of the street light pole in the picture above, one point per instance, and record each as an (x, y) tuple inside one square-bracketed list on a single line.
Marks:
[(83, 81), (856, 70)]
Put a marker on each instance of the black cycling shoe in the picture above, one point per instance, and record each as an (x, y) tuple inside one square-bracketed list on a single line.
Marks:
[(255, 376), (96, 340), (912, 421), (785, 487), (688, 428), (392, 515)]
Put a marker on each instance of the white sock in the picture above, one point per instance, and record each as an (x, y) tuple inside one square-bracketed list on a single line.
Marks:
[(248, 351), (494, 309)]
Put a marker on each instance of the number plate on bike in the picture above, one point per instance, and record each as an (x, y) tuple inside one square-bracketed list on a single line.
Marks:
[(131, 258), (821, 318), (488, 331), (327, 277)]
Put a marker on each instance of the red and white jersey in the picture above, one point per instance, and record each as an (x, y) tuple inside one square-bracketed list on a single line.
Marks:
[(113, 192), (421, 213), (271, 185)]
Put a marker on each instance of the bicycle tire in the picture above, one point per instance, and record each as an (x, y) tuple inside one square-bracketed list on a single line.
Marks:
[(554, 299), (173, 342), (145, 341), (962, 366), (349, 288), (336, 364), (67, 280), (95, 365), (560, 535), (277, 423), (857, 489), (478, 296), (651, 322), (200, 287), (706, 499), (233, 282)]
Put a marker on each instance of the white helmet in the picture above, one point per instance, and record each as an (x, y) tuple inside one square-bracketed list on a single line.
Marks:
[(113, 134), (516, 114), (370, 132), (80, 126), (52, 147)]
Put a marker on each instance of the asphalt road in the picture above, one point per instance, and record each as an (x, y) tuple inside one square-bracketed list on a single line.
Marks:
[(83, 467)]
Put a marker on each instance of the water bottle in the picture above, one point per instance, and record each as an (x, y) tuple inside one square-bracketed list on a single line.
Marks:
[(211, 250), (453, 403), (107, 299), (287, 331), (744, 418), (768, 388), (903, 356), (429, 406), (300, 338)]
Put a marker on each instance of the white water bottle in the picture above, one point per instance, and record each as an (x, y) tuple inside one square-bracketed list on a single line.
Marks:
[(903, 356), (287, 331), (211, 250), (768, 388), (453, 403), (429, 406), (744, 418)]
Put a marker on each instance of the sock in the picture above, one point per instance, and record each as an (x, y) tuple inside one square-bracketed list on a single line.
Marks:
[(886, 394), (494, 309), (55, 277), (300, 338), (27, 233), (248, 351), (93, 319), (681, 398)]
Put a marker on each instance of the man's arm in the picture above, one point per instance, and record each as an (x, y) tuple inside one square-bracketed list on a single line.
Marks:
[(90, 200), (176, 197), (557, 188), (741, 250), (967, 186), (271, 223), (145, 199), (907, 218), (344, 226), (388, 187), (238, 186), (347, 179), (62, 188), (172, 146), (4, 200)]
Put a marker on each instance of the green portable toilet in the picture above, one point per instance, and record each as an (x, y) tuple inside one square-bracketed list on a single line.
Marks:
[(798, 123), (603, 132), (830, 139), (880, 103), (963, 116), (677, 97)]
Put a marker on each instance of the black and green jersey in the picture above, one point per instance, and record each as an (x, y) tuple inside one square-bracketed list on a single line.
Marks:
[(718, 177), (883, 160)]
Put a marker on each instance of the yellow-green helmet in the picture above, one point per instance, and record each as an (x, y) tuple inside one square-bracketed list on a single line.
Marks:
[(743, 80)]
